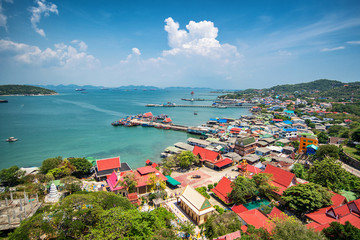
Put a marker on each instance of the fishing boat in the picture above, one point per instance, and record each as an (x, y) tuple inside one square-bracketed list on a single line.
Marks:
[(195, 113), (3, 101), (147, 125), (11, 139), (80, 89)]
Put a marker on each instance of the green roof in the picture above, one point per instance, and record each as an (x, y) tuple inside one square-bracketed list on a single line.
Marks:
[(206, 204), (172, 181), (350, 196)]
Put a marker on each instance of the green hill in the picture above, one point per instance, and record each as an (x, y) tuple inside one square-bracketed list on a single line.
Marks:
[(318, 85), (24, 90)]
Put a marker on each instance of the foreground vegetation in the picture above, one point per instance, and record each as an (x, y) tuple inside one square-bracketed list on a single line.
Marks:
[(24, 90)]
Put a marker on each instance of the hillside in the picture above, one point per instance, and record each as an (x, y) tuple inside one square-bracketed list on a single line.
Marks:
[(317, 85), (24, 90)]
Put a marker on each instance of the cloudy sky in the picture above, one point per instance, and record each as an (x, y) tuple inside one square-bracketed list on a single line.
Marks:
[(218, 44)]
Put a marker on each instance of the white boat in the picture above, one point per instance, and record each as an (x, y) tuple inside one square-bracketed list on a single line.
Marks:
[(11, 139)]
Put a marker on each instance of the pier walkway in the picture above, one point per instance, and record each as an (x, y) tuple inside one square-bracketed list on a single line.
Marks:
[(197, 106)]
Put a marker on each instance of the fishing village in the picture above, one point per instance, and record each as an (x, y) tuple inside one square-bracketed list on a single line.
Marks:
[(243, 170)]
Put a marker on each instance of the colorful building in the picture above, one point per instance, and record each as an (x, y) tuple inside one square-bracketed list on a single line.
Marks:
[(306, 140), (245, 146)]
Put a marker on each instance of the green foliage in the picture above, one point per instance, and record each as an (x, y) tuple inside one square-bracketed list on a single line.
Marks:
[(219, 209), (23, 90), (49, 164), (187, 227), (219, 225), (266, 209), (327, 150), (355, 136), (129, 182), (292, 228), (72, 218), (202, 191), (300, 171), (255, 234), (242, 189), (337, 131), (305, 198), (262, 182), (328, 173), (71, 184), (82, 166), (118, 224), (186, 159), (338, 231), (349, 107), (210, 186), (11, 176), (295, 144), (322, 137)]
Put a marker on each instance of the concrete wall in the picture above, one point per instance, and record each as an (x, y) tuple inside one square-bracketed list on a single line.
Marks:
[(350, 161)]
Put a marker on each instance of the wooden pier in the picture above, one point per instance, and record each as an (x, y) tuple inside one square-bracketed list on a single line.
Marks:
[(198, 106)]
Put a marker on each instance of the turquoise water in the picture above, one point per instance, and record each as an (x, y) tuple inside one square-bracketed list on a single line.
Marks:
[(256, 204), (78, 125)]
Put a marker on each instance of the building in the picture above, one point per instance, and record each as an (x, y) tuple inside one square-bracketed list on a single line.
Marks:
[(222, 189), (281, 178), (195, 205), (256, 218), (288, 133), (210, 158), (311, 149), (306, 140), (105, 167), (262, 152), (245, 145)]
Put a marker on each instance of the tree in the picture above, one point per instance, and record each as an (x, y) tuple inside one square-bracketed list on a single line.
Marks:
[(49, 164), (219, 225), (188, 228), (255, 234), (129, 182), (81, 165), (64, 169), (71, 184), (242, 189), (11, 176), (328, 173), (262, 182), (338, 231), (156, 183), (355, 136), (295, 144), (336, 130), (300, 171), (292, 228), (186, 159), (305, 198), (323, 137), (327, 150)]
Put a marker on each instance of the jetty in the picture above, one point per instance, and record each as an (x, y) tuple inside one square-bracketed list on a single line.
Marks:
[(199, 106)]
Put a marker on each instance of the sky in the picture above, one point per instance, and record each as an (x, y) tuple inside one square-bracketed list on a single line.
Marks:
[(218, 44)]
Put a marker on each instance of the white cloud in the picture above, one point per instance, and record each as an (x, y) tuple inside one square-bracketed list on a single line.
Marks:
[(332, 49), (61, 55), (200, 39), (353, 42), (136, 51), (82, 45), (3, 17), (43, 9)]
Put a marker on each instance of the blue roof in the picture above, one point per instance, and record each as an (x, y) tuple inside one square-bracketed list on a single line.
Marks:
[(287, 122), (213, 119), (222, 120), (290, 130), (312, 146), (289, 111)]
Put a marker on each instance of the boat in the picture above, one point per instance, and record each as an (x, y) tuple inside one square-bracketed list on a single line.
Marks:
[(195, 113), (80, 89), (11, 139), (147, 125), (3, 101)]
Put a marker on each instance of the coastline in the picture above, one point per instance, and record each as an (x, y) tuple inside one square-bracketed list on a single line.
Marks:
[(28, 95)]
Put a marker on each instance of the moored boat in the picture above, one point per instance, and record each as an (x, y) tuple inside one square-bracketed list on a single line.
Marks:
[(11, 139)]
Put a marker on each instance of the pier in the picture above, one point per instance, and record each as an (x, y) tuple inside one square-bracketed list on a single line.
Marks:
[(199, 106)]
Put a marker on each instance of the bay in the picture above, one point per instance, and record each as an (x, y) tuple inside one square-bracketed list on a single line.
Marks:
[(76, 124)]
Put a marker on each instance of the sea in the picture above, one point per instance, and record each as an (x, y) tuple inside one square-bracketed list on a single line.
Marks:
[(78, 124)]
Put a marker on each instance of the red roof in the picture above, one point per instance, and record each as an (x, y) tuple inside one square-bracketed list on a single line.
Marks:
[(154, 165), (280, 176), (148, 114), (108, 163), (277, 213), (167, 120), (205, 154), (256, 218), (239, 209), (224, 162), (235, 130), (253, 169), (337, 199), (277, 120), (222, 189), (146, 170), (230, 236), (148, 161)]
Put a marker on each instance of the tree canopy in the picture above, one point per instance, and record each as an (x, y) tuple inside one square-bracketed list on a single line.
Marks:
[(338, 231), (219, 225), (262, 182), (242, 189), (11, 176), (82, 166), (49, 164), (305, 198), (327, 150)]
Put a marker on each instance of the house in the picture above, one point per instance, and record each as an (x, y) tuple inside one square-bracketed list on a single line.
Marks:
[(289, 113), (288, 150), (282, 142), (105, 167), (262, 152), (198, 142), (256, 218), (299, 126), (223, 189), (134, 199), (336, 140), (281, 178), (298, 121), (306, 140), (277, 213), (245, 145), (184, 146), (268, 140), (262, 144), (288, 133), (323, 217), (143, 175), (230, 236), (208, 157), (251, 158), (195, 205), (311, 149), (233, 156)]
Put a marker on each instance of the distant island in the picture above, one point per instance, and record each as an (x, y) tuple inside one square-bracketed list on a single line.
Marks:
[(24, 90)]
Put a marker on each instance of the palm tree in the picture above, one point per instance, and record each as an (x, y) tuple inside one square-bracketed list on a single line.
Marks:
[(188, 228)]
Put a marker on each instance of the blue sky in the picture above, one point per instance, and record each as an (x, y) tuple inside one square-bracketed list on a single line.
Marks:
[(218, 44)]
